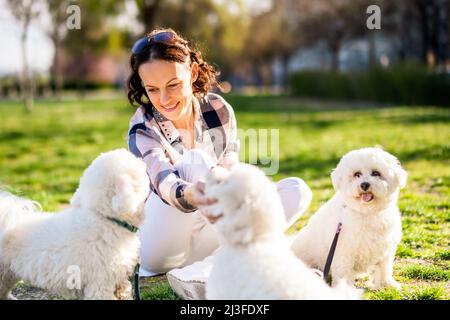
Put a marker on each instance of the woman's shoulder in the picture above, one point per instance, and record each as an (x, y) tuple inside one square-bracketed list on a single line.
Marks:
[(138, 116), (142, 120), (215, 102), (142, 115)]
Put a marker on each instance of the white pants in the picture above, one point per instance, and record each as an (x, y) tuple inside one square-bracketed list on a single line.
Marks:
[(172, 239)]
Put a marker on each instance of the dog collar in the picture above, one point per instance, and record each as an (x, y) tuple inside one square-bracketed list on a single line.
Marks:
[(123, 224)]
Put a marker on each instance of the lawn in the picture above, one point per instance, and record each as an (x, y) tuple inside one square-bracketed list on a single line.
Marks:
[(43, 154)]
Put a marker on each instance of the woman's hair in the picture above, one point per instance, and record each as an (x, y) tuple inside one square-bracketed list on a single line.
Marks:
[(176, 50)]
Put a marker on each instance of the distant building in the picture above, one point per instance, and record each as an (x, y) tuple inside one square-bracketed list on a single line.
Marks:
[(354, 55)]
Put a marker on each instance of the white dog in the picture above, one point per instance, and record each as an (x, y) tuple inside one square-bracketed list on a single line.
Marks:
[(88, 250), (255, 260), (367, 183)]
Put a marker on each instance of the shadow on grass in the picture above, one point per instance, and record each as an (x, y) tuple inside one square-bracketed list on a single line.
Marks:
[(316, 168), (313, 168), (438, 152)]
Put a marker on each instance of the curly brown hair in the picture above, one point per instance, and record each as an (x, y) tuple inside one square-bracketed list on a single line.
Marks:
[(177, 50)]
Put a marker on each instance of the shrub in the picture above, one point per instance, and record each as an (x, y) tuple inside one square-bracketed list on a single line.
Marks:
[(402, 84)]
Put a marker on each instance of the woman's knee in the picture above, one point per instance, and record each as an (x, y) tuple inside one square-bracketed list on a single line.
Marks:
[(154, 262), (165, 235), (296, 197), (301, 190)]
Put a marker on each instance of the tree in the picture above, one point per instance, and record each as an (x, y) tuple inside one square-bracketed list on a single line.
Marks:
[(333, 21), (58, 29), (434, 26), (422, 27), (218, 28), (25, 11), (82, 45), (148, 12), (271, 36)]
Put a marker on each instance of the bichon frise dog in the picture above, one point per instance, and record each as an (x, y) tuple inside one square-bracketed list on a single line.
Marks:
[(255, 260), (86, 251), (367, 183)]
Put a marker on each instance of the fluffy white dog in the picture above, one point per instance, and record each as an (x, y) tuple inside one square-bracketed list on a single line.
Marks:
[(367, 183), (255, 260), (86, 251)]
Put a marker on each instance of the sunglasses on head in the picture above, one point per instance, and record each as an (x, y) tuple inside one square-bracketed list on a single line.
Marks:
[(166, 37)]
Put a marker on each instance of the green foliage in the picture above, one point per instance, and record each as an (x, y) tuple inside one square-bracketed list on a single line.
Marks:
[(406, 84), (217, 28), (331, 85)]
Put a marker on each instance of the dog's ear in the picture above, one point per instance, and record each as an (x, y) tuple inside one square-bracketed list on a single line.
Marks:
[(243, 235), (401, 176), (243, 230), (336, 177), (76, 199), (123, 200)]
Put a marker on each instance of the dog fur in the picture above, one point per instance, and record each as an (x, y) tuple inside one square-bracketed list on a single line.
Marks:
[(255, 260), (54, 251), (367, 183)]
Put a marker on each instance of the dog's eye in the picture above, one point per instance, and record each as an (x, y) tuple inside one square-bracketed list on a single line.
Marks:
[(376, 173), (357, 174)]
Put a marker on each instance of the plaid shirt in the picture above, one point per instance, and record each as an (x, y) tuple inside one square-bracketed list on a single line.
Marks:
[(154, 138)]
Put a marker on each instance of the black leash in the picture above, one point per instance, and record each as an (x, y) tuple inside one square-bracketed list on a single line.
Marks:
[(137, 291), (326, 270)]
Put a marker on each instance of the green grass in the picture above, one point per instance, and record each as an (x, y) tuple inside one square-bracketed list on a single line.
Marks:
[(161, 291), (413, 292), (43, 154), (156, 288), (424, 272)]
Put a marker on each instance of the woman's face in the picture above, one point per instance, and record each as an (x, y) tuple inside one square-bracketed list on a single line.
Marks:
[(169, 86)]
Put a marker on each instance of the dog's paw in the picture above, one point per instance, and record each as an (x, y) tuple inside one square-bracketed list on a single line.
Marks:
[(389, 283), (11, 297), (124, 296), (392, 284)]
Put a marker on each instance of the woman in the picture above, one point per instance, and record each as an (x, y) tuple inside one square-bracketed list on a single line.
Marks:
[(181, 130)]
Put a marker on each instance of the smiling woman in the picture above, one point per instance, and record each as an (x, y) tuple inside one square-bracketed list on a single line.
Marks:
[(168, 86), (181, 130)]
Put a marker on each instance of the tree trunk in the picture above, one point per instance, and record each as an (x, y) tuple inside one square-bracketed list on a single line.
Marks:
[(372, 49), (335, 48), (27, 88), (149, 9), (57, 77), (428, 54), (442, 31)]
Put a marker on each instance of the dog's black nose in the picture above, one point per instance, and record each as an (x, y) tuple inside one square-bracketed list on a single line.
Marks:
[(365, 186)]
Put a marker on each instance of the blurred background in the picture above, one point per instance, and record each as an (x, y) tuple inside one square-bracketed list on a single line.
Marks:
[(319, 48)]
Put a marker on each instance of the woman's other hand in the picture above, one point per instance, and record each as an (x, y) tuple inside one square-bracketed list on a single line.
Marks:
[(195, 195)]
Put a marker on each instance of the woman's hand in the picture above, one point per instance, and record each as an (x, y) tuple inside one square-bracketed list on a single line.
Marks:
[(194, 194)]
